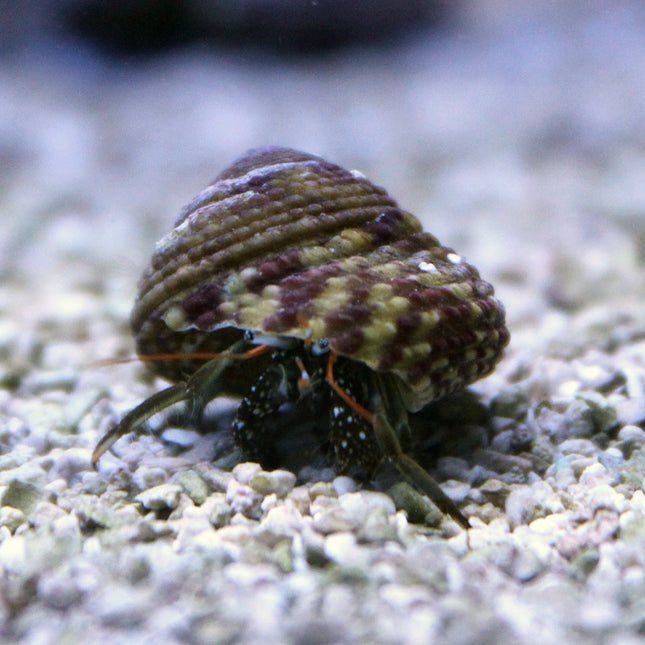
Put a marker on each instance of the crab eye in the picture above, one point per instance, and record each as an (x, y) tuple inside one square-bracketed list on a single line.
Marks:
[(320, 347)]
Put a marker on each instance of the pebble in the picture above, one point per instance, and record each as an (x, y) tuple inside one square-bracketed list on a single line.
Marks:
[(23, 495), (358, 505), (323, 489), (12, 518), (404, 597), (595, 474), (245, 472), (58, 589), (279, 482), (633, 435), (301, 499), (122, 607), (250, 576), (342, 548), (243, 499), (604, 496), (632, 471), (332, 519), (344, 484), (378, 526), (194, 522), (69, 463), (526, 503), (193, 485), (409, 500), (583, 447), (28, 473), (282, 521), (13, 554), (145, 477), (511, 403), (457, 491), (45, 513), (561, 474), (217, 510), (603, 413), (164, 496), (495, 491)]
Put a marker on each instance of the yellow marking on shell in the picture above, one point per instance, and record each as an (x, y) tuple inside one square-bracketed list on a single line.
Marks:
[(412, 353), (272, 292), (470, 355), (396, 305), (380, 292), (429, 320), (350, 240), (235, 283), (255, 313), (379, 331), (175, 319), (475, 310), (331, 300), (228, 308), (461, 290), (316, 328), (441, 364), (437, 279), (391, 270), (315, 255), (249, 299)]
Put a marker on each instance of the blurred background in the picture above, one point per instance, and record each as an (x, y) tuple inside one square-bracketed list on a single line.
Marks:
[(514, 129)]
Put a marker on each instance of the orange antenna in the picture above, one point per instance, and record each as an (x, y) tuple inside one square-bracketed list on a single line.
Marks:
[(182, 356)]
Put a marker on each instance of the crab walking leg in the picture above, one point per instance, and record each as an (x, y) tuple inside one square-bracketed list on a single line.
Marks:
[(410, 469), (391, 448), (389, 443), (200, 388), (152, 405)]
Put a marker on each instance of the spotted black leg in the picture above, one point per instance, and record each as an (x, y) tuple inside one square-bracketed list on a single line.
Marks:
[(355, 448), (253, 429)]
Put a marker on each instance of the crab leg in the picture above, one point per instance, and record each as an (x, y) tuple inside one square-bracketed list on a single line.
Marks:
[(200, 388), (391, 448)]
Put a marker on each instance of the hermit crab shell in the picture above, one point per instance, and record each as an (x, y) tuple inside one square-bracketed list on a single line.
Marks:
[(289, 245)]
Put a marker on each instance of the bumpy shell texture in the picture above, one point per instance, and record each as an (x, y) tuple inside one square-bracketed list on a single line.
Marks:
[(288, 244)]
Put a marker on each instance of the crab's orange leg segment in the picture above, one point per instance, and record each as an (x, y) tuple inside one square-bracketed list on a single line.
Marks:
[(183, 356), (354, 405)]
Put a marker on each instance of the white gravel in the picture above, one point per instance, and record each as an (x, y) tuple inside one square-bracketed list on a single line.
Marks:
[(519, 139)]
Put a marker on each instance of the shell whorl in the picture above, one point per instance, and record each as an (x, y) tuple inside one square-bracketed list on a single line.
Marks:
[(286, 243)]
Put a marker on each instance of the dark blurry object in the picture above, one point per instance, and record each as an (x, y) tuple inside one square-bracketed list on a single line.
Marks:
[(314, 25), (133, 26), (127, 27)]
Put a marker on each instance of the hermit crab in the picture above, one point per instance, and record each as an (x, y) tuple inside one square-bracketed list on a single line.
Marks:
[(290, 279)]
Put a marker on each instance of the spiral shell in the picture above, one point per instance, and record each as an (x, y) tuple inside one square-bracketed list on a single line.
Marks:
[(290, 245)]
